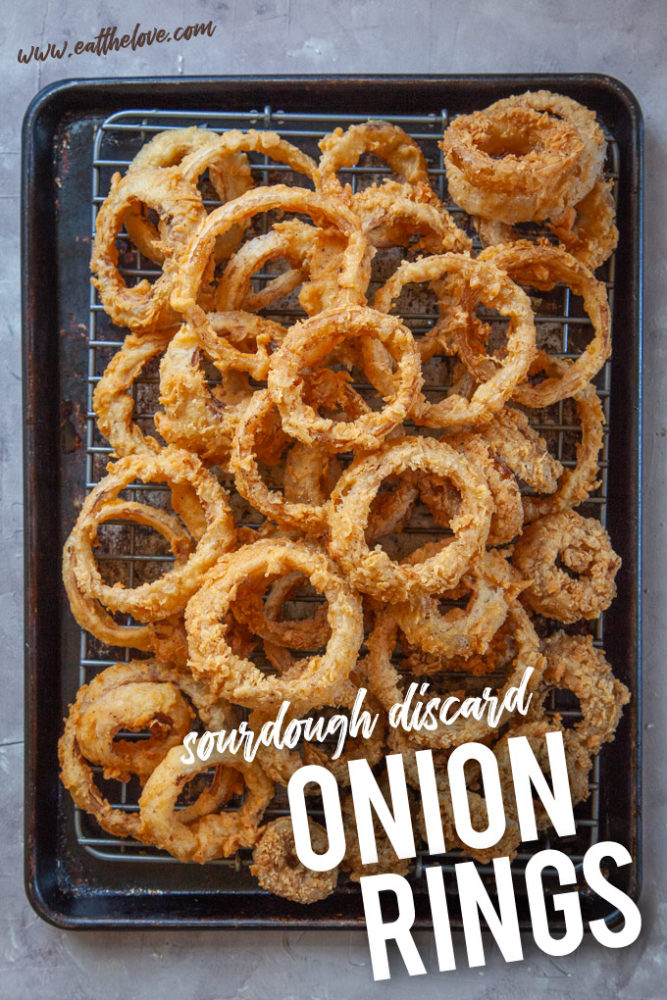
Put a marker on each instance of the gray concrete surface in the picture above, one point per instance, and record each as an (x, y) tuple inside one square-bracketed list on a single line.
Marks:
[(624, 38)]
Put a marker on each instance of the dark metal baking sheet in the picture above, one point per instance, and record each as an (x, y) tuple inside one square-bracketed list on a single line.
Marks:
[(66, 884)]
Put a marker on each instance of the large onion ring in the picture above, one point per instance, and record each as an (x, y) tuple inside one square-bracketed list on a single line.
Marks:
[(170, 593), (507, 518), (166, 639), (145, 306), (137, 695), (308, 343), (230, 176), (542, 266), (192, 267), (582, 119), (310, 684), (212, 835), (373, 572), (391, 217), (512, 164), (385, 680), (493, 289)]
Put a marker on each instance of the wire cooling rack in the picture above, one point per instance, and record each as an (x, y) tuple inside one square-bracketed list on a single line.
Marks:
[(561, 324)]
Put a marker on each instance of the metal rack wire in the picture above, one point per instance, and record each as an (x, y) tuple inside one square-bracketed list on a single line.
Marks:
[(560, 319)]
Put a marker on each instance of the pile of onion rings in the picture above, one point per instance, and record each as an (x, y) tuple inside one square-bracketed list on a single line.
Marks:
[(290, 465)]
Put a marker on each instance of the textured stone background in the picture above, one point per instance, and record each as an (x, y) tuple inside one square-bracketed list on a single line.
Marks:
[(624, 38)]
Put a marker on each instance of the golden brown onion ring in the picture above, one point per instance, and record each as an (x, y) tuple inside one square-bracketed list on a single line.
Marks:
[(211, 156), (310, 514), (582, 119), (519, 648), (170, 593), (507, 517), (586, 585), (191, 270), (391, 217), (77, 774), (389, 142), (373, 572), (214, 834), (541, 267), (159, 708), (492, 288), (278, 869), (141, 694), (521, 449), (308, 343), (225, 335), (144, 307), (575, 664), (197, 417), (230, 176), (286, 240), (312, 682), (575, 484), (512, 164), (461, 631), (166, 639), (263, 617), (114, 405), (588, 230)]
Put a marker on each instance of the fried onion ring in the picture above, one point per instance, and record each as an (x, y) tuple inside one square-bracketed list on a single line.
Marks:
[(230, 176), (141, 694), (197, 417), (493, 289), (586, 585), (169, 594), (512, 164), (308, 343), (76, 772), (214, 834), (191, 269), (373, 572), (542, 266), (385, 681), (145, 306), (166, 639), (576, 484), (312, 682), (507, 517), (389, 142), (583, 120), (114, 405), (575, 664), (588, 230), (462, 631), (391, 217), (307, 516), (278, 869)]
